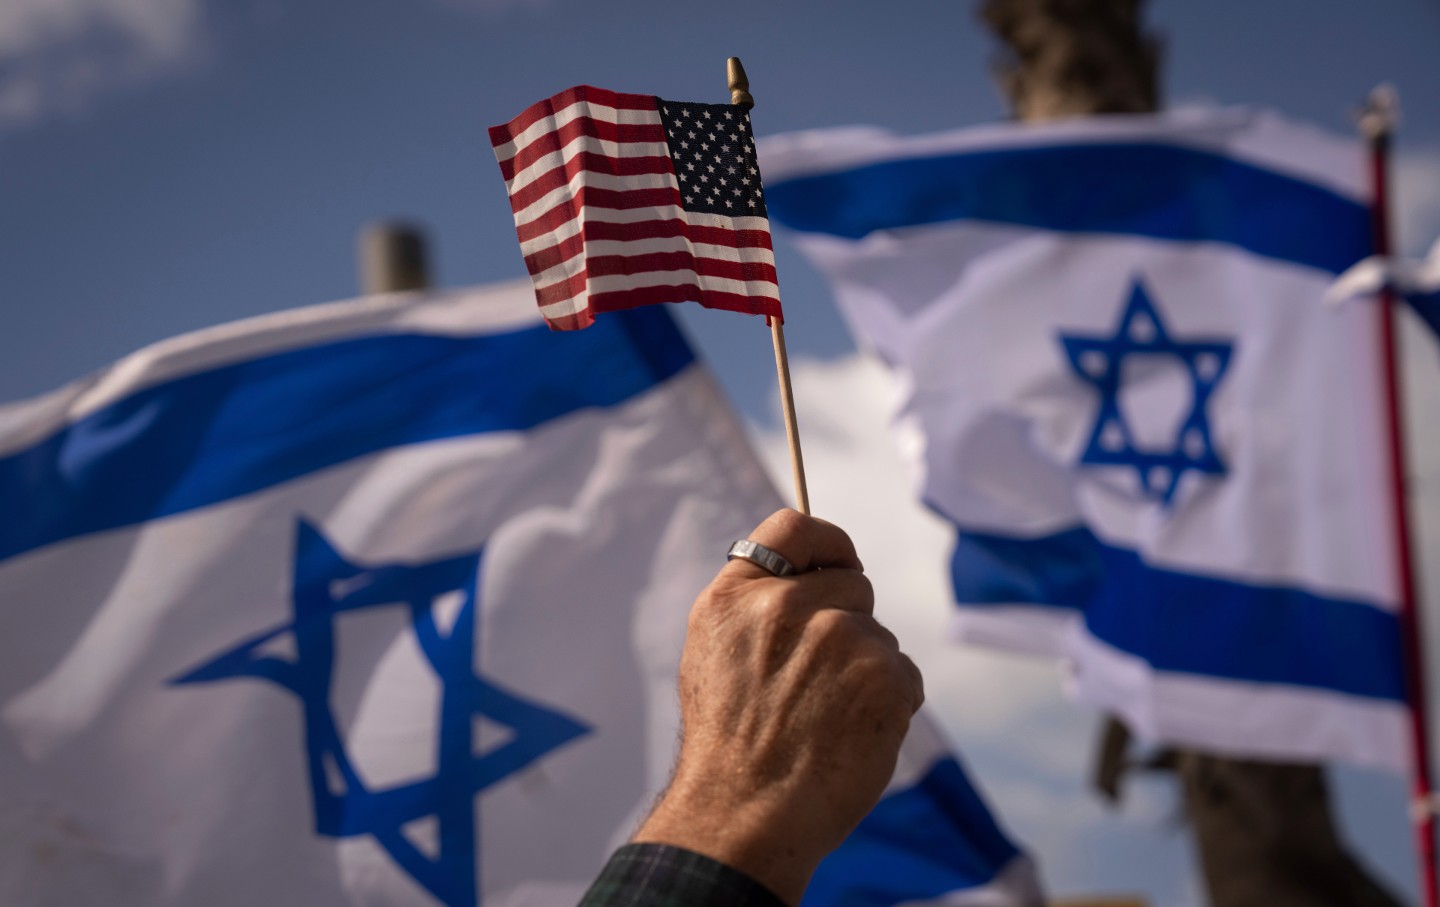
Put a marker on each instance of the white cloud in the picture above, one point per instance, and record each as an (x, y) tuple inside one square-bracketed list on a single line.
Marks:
[(57, 56)]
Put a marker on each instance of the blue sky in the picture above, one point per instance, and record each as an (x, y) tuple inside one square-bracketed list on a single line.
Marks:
[(171, 164)]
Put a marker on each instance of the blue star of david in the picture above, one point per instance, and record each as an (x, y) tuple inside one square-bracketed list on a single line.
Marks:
[(1099, 362), (327, 585)]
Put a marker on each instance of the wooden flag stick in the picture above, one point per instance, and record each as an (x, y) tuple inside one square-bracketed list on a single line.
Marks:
[(740, 97), (787, 406)]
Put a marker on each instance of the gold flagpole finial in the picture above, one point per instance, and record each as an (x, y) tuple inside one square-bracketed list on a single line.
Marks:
[(1380, 114), (739, 84)]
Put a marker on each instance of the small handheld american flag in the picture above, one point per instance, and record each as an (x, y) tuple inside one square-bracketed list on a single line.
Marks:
[(623, 200)]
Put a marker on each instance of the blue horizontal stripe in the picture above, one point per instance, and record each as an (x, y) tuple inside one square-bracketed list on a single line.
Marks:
[(1157, 191), (1185, 623), (916, 844), (214, 435), (1427, 306)]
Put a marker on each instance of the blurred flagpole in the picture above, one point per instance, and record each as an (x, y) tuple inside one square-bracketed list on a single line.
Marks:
[(392, 258), (740, 96), (1377, 122)]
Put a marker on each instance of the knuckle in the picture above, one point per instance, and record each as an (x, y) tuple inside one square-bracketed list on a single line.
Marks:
[(844, 536), (705, 605), (887, 637), (770, 605), (890, 676), (775, 601), (878, 666), (832, 627), (786, 524), (863, 589), (712, 609)]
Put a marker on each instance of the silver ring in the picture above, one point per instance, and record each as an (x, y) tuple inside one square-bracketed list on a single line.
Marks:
[(762, 557)]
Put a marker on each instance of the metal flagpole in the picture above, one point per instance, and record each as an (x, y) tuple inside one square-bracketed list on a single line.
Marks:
[(1377, 122), (740, 97)]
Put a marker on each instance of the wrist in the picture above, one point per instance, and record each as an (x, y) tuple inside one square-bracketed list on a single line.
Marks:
[(744, 836)]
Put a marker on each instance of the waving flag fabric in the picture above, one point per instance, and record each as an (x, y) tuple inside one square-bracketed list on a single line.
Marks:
[(1163, 457), (381, 603), (622, 200), (1416, 282)]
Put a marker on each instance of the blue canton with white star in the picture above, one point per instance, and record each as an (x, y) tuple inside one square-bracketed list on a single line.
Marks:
[(327, 585), (713, 154), (1099, 361)]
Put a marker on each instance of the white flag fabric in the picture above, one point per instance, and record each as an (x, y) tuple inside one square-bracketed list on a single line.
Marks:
[(1416, 282), (1408, 278), (381, 603), (1164, 459)]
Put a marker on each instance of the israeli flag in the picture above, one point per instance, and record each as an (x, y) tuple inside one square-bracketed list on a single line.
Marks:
[(1163, 457), (381, 603)]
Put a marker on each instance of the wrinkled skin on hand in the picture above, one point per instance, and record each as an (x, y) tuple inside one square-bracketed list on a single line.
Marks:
[(794, 701)]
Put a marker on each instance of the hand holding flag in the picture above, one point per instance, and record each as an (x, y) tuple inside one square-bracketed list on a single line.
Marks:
[(757, 784)]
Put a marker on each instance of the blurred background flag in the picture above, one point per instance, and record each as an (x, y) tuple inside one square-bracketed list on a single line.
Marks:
[(1164, 459), (381, 602)]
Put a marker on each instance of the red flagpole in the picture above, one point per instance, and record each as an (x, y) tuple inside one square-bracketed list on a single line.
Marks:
[(1378, 121)]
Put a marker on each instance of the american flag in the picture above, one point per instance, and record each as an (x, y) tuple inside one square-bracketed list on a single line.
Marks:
[(623, 200)]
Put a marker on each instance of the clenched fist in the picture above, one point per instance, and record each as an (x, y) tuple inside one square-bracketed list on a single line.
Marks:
[(794, 702)]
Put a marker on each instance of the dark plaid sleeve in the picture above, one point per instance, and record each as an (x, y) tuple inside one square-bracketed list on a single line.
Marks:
[(657, 875)]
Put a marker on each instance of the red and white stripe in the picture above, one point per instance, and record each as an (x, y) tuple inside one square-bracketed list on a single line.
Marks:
[(598, 212)]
